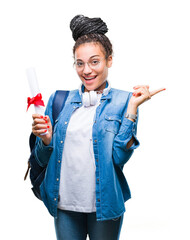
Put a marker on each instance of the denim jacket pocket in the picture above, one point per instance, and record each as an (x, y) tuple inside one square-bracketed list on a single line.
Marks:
[(113, 122)]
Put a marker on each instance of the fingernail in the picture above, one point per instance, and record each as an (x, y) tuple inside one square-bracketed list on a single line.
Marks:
[(46, 121), (133, 94), (45, 117), (41, 116), (164, 88), (45, 130), (47, 126)]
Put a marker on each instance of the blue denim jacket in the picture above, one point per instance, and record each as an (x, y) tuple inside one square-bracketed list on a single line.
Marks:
[(111, 133)]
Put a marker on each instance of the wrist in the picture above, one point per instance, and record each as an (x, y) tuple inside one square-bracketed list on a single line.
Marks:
[(132, 109), (131, 113), (46, 141), (132, 117)]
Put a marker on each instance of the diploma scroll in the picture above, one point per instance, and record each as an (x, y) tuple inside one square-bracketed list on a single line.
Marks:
[(34, 89), (36, 99)]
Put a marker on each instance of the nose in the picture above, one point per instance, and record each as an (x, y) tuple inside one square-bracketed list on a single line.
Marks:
[(87, 70)]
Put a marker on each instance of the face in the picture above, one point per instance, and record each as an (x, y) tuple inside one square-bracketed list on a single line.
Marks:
[(94, 74)]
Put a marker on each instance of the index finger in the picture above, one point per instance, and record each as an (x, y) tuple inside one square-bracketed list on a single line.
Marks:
[(152, 93), (36, 115)]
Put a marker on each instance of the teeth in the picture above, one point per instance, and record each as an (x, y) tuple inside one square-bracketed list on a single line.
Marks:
[(89, 78)]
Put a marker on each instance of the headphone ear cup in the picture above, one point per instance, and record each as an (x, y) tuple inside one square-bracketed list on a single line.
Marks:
[(89, 98), (93, 97), (86, 99)]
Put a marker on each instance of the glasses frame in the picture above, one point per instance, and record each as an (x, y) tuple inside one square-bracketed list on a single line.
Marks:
[(88, 63)]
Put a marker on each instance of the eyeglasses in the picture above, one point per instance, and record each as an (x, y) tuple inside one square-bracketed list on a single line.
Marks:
[(93, 64)]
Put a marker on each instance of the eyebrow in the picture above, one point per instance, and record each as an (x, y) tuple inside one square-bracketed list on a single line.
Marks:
[(89, 58)]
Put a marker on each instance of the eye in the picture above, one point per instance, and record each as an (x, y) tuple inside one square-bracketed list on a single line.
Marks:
[(79, 64), (94, 62)]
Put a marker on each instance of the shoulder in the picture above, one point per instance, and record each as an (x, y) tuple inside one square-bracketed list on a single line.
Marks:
[(72, 96), (119, 91), (120, 95), (71, 93)]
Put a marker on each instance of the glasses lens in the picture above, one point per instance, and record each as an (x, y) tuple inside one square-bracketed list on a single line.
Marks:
[(93, 63), (79, 64)]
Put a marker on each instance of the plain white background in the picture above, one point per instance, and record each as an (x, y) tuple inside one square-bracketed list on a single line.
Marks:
[(151, 46)]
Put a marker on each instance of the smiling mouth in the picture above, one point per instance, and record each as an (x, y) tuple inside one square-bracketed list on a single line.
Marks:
[(89, 78)]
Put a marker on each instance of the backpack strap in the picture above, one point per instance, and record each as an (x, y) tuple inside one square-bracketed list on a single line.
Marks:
[(58, 103)]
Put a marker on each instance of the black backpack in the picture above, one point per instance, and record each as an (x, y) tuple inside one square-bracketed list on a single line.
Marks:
[(37, 172)]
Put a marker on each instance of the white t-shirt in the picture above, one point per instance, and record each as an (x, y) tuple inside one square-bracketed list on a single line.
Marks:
[(77, 182)]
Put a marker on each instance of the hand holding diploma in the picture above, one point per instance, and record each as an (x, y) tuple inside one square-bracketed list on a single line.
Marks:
[(41, 126)]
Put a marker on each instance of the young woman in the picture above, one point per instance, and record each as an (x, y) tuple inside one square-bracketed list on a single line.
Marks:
[(95, 135)]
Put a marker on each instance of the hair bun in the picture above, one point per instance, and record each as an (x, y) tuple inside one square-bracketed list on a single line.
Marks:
[(81, 25)]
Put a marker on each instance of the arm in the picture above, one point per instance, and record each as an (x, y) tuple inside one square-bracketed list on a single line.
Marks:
[(125, 142), (44, 143), (133, 110)]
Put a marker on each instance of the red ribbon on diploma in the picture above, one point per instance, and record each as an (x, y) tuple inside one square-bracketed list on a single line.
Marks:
[(37, 100)]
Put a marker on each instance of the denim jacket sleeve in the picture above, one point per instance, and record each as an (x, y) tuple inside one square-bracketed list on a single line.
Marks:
[(43, 152), (128, 129)]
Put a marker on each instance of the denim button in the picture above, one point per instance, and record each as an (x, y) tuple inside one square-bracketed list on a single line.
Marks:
[(61, 141), (65, 122)]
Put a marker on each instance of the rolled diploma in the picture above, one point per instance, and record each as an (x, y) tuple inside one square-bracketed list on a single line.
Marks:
[(34, 88)]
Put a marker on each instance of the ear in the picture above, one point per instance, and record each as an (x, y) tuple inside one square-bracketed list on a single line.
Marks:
[(109, 61)]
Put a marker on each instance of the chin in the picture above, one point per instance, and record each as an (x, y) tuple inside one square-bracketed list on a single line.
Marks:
[(90, 88)]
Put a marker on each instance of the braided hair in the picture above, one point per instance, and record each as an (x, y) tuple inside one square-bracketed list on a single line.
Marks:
[(87, 30)]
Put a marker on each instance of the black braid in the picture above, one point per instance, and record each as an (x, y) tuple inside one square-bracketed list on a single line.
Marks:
[(87, 30)]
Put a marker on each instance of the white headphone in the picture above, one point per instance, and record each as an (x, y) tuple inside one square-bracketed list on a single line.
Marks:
[(90, 98)]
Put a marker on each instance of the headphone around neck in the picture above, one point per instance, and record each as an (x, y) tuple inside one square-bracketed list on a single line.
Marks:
[(91, 98)]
